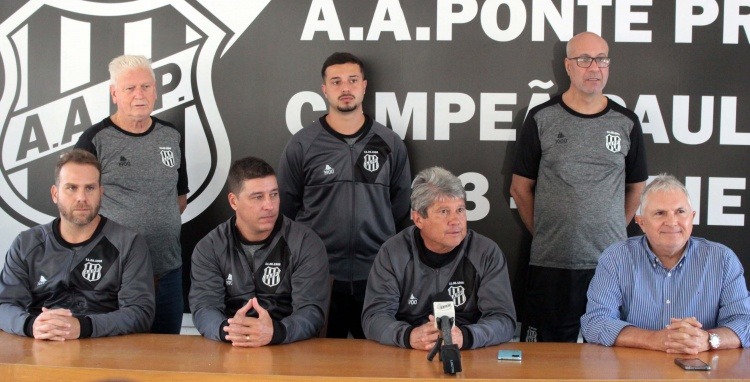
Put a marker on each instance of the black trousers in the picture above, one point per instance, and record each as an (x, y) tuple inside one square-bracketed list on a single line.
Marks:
[(345, 314), (554, 303)]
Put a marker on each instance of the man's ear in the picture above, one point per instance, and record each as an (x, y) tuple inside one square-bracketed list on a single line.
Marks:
[(232, 200), (417, 219), (53, 193), (639, 221)]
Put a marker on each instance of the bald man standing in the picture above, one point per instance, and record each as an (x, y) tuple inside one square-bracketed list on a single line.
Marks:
[(578, 174)]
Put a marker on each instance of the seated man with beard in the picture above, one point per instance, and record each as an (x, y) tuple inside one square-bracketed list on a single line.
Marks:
[(80, 275)]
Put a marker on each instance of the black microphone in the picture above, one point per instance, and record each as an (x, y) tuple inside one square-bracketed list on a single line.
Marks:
[(445, 318)]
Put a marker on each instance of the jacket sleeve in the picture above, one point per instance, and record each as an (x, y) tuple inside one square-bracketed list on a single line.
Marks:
[(135, 298), (497, 323), (635, 161), (601, 324), (291, 179), (310, 290), (207, 291), (400, 186), (86, 141), (381, 304), (15, 294), (734, 304)]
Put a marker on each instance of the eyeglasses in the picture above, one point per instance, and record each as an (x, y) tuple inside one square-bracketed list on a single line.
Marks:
[(585, 61)]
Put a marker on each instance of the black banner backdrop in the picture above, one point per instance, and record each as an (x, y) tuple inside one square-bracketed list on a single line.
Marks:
[(454, 78)]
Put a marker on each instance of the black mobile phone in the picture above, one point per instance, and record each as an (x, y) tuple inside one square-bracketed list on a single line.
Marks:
[(692, 364)]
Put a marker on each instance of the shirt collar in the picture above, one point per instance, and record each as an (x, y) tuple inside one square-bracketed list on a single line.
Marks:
[(654, 261)]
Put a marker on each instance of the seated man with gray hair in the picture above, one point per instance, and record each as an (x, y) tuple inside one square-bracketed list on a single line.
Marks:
[(666, 290), (438, 256)]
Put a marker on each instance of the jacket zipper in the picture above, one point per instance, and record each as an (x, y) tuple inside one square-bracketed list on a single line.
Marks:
[(352, 255), (69, 268)]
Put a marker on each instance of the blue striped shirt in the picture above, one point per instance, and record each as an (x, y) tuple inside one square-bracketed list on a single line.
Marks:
[(631, 287)]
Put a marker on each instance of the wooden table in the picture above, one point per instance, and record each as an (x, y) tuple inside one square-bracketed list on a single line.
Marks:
[(155, 357)]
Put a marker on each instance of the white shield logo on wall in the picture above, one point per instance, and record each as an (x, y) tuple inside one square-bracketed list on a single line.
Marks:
[(59, 88)]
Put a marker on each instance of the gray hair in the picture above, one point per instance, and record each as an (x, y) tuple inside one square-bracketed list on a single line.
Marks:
[(433, 184), (663, 182), (121, 64)]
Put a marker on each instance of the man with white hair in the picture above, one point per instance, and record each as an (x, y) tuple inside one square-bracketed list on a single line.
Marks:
[(145, 178), (437, 257), (666, 290)]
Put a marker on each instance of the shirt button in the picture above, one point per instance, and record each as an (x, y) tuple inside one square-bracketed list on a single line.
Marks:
[(668, 301), (669, 274)]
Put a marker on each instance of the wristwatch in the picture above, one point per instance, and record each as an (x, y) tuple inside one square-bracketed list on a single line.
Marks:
[(713, 340)]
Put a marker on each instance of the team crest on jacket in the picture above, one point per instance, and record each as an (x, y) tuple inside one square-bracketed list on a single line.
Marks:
[(167, 156), (457, 292), (370, 161), (92, 271), (271, 276), (613, 141), (46, 103)]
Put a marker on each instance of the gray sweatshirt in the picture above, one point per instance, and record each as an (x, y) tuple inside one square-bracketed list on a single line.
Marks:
[(105, 281), (354, 196), (401, 288), (288, 275)]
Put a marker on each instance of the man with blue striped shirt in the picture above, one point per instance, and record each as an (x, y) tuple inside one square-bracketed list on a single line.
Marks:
[(666, 290)]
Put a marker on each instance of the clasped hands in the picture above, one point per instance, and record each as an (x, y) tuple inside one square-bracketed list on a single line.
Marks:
[(684, 335), (56, 325), (246, 331)]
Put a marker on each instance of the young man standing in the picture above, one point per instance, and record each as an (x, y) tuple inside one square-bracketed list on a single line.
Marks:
[(347, 177)]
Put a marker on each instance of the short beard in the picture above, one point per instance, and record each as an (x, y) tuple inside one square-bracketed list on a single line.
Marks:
[(79, 221), (349, 109)]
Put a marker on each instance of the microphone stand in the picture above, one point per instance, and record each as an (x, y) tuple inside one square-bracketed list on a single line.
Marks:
[(450, 355)]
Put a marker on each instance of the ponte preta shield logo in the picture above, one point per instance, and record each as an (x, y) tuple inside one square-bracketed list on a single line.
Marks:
[(56, 84)]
